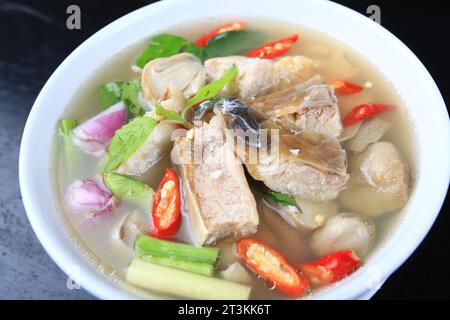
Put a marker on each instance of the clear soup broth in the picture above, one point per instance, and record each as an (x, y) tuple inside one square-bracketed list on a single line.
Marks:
[(333, 60)]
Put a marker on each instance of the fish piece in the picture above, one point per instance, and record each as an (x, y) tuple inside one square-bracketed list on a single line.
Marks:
[(217, 197), (310, 106), (257, 76), (311, 166), (379, 180)]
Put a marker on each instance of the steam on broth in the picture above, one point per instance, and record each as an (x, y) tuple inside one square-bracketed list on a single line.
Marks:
[(132, 204)]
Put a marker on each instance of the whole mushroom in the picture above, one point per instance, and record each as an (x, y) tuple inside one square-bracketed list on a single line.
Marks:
[(341, 232)]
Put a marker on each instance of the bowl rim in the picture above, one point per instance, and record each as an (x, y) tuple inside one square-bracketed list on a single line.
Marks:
[(353, 286)]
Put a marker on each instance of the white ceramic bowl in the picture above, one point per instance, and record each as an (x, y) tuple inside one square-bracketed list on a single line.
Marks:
[(393, 58)]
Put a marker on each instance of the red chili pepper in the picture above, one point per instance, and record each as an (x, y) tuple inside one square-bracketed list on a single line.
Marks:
[(364, 111), (331, 268), (273, 49), (346, 88), (166, 212), (203, 41), (272, 267)]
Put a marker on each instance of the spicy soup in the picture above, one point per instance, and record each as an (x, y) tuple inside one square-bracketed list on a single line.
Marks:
[(283, 224)]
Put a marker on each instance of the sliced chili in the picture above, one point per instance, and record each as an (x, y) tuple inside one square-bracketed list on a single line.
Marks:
[(364, 111), (166, 212), (273, 49), (331, 268), (203, 41), (272, 267), (346, 88)]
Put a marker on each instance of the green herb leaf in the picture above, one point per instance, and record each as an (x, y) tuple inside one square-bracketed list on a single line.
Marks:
[(131, 92), (211, 90), (109, 94), (280, 198), (129, 189), (166, 45), (171, 116), (233, 42), (128, 91), (127, 141), (66, 126)]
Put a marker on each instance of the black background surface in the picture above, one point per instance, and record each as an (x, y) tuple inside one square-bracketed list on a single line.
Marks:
[(34, 40)]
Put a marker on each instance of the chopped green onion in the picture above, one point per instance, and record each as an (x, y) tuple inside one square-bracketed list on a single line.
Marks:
[(146, 245)]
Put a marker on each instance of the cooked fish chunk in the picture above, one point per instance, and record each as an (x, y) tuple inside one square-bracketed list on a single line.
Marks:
[(311, 167), (183, 72), (256, 76), (157, 145), (379, 180), (217, 197), (310, 106)]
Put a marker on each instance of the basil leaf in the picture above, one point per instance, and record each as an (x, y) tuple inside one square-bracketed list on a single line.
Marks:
[(170, 116), (280, 198), (128, 91), (129, 189), (130, 95), (127, 141), (166, 45), (211, 90), (232, 43)]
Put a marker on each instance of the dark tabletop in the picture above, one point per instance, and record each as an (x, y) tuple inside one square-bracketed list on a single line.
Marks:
[(34, 40)]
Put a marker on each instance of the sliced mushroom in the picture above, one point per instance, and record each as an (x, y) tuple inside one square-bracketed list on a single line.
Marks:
[(279, 234), (228, 254), (307, 215), (379, 180), (128, 228), (183, 72), (349, 132), (370, 131), (174, 100), (341, 232), (338, 66), (236, 273)]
